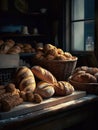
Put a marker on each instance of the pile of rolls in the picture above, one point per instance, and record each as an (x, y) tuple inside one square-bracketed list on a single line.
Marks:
[(51, 52)]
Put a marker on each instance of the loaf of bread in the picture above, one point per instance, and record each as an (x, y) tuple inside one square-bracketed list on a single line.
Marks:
[(85, 74), (85, 78), (10, 102), (43, 74), (44, 89), (63, 88), (24, 79)]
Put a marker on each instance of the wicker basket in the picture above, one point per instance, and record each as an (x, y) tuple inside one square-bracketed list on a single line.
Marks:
[(60, 69), (7, 75)]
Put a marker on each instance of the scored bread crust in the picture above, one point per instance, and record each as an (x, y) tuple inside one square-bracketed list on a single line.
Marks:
[(43, 74), (26, 82), (84, 78), (63, 88), (24, 79), (45, 89)]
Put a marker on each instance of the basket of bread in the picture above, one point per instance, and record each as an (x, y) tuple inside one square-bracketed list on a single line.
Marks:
[(61, 64), (85, 78)]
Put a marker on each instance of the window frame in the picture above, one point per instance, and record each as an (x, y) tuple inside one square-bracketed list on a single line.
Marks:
[(67, 32)]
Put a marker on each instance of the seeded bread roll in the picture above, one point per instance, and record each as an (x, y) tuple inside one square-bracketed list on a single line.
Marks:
[(45, 89), (43, 74), (63, 88)]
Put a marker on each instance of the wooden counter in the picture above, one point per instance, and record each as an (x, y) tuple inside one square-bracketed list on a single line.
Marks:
[(77, 114)]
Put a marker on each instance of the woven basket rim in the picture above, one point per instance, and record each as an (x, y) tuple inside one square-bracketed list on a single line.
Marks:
[(71, 60)]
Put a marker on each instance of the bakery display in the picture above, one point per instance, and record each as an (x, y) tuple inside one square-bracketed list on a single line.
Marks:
[(9, 46), (36, 84)]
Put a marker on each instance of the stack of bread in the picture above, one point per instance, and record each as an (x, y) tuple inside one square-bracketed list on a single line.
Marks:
[(11, 47)]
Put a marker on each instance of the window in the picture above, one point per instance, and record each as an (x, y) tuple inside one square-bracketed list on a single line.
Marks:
[(82, 25)]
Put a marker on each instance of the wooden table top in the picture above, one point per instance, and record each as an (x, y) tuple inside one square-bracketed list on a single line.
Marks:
[(59, 111)]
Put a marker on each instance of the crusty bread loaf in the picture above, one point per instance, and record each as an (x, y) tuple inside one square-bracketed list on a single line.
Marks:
[(63, 88), (43, 74), (85, 74), (85, 78), (45, 89), (24, 79)]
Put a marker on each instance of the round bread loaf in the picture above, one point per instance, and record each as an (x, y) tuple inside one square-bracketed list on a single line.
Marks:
[(24, 79), (43, 74), (44, 89), (63, 88)]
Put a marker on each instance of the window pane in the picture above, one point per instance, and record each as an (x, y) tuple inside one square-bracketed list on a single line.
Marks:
[(89, 36), (89, 9), (82, 32), (82, 9), (77, 9), (78, 36)]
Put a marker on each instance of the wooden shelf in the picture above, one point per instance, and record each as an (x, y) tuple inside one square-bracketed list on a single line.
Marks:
[(21, 35)]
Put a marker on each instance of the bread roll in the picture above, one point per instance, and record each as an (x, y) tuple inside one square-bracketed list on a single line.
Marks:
[(45, 89), (4, 48), (10, 87), (43, 74), (14, 50), (37, 98), (63, 88), (30, 96), (24, 79), (48, 47)]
